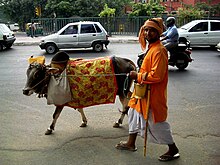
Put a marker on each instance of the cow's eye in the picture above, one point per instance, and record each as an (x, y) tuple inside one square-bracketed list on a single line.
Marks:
[(36, 75), (30, 66)]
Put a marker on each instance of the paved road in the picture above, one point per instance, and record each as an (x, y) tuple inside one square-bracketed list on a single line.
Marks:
[(193, 114)]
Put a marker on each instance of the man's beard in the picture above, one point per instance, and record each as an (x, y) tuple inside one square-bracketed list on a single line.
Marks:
[(152, 40)]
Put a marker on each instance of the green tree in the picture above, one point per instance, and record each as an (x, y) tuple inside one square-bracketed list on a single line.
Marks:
[(20, 11), (118, 5), (147, 9), (87, 8), (191, 12), (216, 9), (188, 13), (83, 8), (60, 8), (107, 12), (209, 10), (200, 10)]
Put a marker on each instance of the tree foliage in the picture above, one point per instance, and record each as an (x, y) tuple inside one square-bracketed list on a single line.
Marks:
[(22, 11), (107, 12), (118, 5), (198, 11), (60, 8), (147, 9), (190, 12), (208, 9)]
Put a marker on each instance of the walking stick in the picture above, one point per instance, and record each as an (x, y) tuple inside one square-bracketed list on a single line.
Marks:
[(147, 112)]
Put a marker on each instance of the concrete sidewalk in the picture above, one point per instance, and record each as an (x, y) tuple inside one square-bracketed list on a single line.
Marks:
[(22, 39)]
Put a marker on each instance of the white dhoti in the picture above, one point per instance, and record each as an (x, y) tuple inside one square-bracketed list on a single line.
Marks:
[(159, 133)]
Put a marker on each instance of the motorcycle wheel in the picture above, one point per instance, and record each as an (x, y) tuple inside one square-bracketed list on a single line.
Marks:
[(182, 66)]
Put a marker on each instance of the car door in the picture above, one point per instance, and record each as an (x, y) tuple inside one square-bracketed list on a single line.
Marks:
[(87, 35), (68, 38), (198, 34), (214, 33)]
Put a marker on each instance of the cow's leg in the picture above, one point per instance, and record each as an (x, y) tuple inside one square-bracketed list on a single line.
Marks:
[(56, 114), (83, 116), (124, 101)]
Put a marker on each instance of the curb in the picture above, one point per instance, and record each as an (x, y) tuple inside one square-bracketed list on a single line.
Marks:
[(26, 41)]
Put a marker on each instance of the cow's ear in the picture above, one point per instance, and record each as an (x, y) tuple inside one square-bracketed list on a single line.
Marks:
[(39, 59)]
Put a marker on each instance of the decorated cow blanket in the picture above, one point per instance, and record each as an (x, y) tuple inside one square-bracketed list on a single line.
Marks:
[(92, 81)]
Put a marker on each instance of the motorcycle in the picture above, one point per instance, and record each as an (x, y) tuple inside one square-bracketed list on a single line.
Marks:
[(180, 55)]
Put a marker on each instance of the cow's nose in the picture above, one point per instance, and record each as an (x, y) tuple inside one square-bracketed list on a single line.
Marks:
[(25, 91)]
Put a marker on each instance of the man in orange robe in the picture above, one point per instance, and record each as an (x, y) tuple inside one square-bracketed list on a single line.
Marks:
[(154, 72)]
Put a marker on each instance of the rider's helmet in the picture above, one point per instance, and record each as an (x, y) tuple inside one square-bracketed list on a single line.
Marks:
[(170, 21)]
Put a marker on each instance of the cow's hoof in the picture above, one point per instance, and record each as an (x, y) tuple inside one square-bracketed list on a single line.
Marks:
[(116, 125), (48, 132), (83, 125)]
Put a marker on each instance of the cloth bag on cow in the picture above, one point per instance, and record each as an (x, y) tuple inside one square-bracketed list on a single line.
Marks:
[(59, 91)]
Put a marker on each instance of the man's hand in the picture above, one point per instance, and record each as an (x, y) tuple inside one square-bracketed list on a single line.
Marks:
[(163, 38), (144, 76), (133, 75)]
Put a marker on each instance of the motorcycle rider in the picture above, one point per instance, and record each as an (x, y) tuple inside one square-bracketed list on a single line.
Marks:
[(170, 37)]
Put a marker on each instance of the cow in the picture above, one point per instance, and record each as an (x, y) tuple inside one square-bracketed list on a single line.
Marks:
[(39, 74)]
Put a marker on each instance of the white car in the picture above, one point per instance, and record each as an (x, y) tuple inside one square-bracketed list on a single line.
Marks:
[(14, 27), (76, 35), (201, 32), (7, 37)]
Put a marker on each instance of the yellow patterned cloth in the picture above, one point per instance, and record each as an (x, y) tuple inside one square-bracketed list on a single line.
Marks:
[(92, 82)]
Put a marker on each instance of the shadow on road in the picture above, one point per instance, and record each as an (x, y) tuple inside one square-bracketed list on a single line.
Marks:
[(204, 48)]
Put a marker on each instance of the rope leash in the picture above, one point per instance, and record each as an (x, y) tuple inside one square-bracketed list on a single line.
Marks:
[(97, 75), (38, 83), (125, 85)]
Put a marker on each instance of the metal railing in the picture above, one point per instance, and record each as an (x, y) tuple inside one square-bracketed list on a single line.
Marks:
[(114, 25)]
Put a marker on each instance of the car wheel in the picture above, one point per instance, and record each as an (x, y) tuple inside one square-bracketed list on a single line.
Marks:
[(1, 46), (8, 46), (213, 46), (51, 48), (98, 47)]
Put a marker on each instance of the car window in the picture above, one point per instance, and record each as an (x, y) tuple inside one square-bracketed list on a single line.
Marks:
[(187, 26), (98, 28), (73, 29), (202, 26), (87, 28), (4, 28), (215, 26)]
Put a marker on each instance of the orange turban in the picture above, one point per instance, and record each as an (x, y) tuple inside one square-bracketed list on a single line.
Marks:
[(156, 23)]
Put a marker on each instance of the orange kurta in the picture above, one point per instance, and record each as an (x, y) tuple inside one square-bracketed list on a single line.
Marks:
[(155, 64)]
